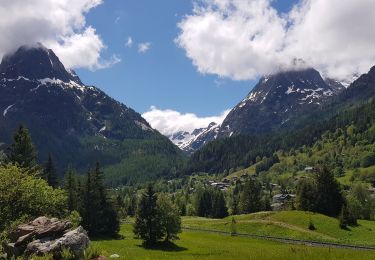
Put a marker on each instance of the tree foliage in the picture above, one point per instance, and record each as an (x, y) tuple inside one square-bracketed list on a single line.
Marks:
[(250, 197), (98, 212), (170, 219), (24, 195), (49, 173), (322, 194), (147, 224), (22, 150)]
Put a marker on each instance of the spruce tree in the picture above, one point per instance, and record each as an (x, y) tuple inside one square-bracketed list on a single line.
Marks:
[(147, 224), (329, 200), (99, 214), (49, 173), (71, 187), (88, 210), (250, 198), (204, 204), (306, 195), (219, 208), (22, 151)]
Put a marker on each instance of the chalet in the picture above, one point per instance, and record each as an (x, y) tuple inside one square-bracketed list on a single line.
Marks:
[(309, 169), (280, 201), (220, 185), (226, 181), (281, 198)]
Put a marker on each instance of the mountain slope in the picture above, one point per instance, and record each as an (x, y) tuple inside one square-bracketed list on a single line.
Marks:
[(78, 124), (355, 105), (275, 100), (190, 142)]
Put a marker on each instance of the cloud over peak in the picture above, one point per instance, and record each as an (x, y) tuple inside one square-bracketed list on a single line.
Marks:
[(242, 39), (59, 25), (170, 121)]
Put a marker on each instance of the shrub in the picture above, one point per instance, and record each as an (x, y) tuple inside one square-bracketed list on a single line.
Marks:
[(91, 253), (368, 160), (75, 218), (24, 195), (311, 225)]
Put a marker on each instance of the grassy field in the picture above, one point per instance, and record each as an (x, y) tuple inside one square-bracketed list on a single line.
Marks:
[(292, 224), (199, 245)]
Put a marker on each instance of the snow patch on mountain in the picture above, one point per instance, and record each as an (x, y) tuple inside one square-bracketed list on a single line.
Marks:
[(7, 109)]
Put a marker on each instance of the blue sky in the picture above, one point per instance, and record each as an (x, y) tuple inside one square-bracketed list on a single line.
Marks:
[(163, 76), (233, 42)]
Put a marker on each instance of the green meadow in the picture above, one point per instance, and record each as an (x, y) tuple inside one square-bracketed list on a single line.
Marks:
[(291, 224), (205, 245)]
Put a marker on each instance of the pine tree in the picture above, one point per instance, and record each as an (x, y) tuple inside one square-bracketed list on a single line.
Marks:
[(70, 185), (219, 208), (329, 199), (250, 198), (22, 151), (204, 204), (147, 224), (49, 173), (99, 214), (306, 195), (88, 210)]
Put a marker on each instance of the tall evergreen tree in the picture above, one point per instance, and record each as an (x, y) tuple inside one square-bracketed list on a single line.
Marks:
[(88, 209), (70, 185), (147, 224), (99, 214), (219, 207), (329, 200), (22, 150), (49, 173), (306, 195), (250, 198), (204, 203)]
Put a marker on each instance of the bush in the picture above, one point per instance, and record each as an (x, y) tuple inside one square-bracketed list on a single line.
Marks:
[(347, 218), (368, 160), (24, 195), (75, 218), (311, 225), (91, 253)]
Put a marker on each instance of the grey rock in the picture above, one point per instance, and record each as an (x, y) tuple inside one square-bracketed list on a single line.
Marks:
[(43, 236), (76, 241)]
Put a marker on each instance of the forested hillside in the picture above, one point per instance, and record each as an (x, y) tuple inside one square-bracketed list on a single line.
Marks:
[(243, 150)]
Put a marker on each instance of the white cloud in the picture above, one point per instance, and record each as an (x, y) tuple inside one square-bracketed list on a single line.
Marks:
[(129, 42), (242, 39), (170, 121), (144, 47), (58, 24)]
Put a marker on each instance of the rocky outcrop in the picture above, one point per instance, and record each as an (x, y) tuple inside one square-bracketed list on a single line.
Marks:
[(46, 236)]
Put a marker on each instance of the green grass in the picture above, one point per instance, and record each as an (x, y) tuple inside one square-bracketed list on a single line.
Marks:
[(199, 245), (292, 224), (250, 170)]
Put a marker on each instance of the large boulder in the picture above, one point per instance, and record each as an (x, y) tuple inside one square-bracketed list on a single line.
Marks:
[(76, 240), (44, 235)]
